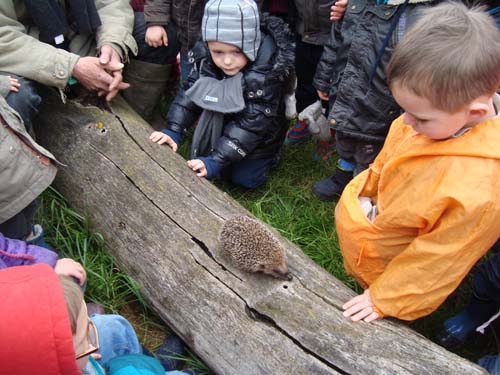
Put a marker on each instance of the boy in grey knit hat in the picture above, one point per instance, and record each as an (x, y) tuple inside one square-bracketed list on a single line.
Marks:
[(237, 85)]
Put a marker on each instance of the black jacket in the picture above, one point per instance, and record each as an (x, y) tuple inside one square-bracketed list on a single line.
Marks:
[(312, 20), (258, 131), (186, 14), (360, 108)]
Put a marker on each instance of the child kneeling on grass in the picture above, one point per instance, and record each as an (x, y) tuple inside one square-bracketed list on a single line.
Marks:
[(412, 226), (237, 85)]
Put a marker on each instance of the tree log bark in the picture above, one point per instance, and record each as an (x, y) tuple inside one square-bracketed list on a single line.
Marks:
[(161, 223)]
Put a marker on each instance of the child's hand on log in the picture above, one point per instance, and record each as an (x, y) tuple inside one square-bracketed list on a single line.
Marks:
[(161, 138), (70, 267), (361, 308), (198, 166)]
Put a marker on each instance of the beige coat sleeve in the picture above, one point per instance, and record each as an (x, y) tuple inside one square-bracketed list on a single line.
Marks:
[(117, 18), (4, 85), (26, 56)]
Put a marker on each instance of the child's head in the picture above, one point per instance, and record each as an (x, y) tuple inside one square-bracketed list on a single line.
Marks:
[(444, 72), (84, 335), (231, 29)]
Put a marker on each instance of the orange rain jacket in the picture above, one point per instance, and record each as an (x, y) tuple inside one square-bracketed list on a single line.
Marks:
[(439, 212)]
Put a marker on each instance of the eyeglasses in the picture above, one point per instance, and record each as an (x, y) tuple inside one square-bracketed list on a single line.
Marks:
[(93, 339)]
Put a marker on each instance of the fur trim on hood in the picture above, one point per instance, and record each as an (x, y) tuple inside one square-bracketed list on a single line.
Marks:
[(284, 60)]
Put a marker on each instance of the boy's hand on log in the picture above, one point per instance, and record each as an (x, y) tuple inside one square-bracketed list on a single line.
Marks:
[(322, 95), (198, 166), (70, 267), (337, 10), (361, 308), (156, 36), (162, 138)]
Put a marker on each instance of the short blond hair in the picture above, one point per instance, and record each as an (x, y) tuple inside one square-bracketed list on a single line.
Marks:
[(451, 56), (74, 298)]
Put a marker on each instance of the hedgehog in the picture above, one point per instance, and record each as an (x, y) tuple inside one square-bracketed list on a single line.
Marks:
[(252, 247)]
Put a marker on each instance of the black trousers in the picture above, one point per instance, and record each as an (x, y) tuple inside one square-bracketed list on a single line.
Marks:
[(19, 226), (306, 59)]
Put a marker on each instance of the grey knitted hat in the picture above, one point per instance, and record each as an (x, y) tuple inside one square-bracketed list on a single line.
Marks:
[(234, 22)]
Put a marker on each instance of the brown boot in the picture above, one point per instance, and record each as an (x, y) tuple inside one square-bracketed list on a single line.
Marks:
[(147, 85)]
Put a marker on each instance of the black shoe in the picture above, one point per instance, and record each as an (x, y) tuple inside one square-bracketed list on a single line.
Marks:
[(170, 352), (333, 186), (448, 340)]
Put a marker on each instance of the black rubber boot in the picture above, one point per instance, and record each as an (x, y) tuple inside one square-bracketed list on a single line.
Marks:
[(147, 85), (333, 186)]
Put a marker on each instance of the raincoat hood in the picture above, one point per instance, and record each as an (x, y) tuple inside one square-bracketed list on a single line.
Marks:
[(35, 330)]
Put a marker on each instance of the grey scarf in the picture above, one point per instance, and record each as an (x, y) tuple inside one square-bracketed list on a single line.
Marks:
[(216, 97)]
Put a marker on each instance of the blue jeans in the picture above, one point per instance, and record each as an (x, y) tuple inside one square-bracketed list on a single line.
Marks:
[(485, 299), (491, 363), (251, 174), (26, 101), (116, 337), (161, 55)]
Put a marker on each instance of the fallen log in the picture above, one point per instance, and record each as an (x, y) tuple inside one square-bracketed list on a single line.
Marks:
[(161, 223)]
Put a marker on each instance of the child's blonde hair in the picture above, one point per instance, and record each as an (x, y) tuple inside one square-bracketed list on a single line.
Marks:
[(74, 298), (451, 56)]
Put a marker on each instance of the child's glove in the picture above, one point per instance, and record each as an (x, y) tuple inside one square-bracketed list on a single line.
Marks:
[(317, 122), (290, 106), (289, 97)]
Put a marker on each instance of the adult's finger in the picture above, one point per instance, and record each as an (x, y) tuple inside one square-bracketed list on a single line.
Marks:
[(117, 79), (106, 54)]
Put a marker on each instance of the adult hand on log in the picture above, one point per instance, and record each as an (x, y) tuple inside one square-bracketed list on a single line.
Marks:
[(361, 308), (95, 76), (109, 56)]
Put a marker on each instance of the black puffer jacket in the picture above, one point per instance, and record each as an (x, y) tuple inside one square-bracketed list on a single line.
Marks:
[(258, 131)]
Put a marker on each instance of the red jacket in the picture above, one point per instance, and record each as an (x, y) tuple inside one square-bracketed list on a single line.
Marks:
[(35, 333)]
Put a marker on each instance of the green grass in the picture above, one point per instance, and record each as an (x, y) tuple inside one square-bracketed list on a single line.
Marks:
[(107, 285), (285, 202)]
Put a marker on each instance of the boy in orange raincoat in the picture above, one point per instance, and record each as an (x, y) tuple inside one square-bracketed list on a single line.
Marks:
[(412, 226)]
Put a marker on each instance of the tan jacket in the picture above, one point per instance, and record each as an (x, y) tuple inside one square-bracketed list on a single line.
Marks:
[(439, 212), (26, 168), (24, 55)]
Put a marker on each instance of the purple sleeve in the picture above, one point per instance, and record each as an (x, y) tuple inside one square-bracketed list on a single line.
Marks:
[(18, 253)]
